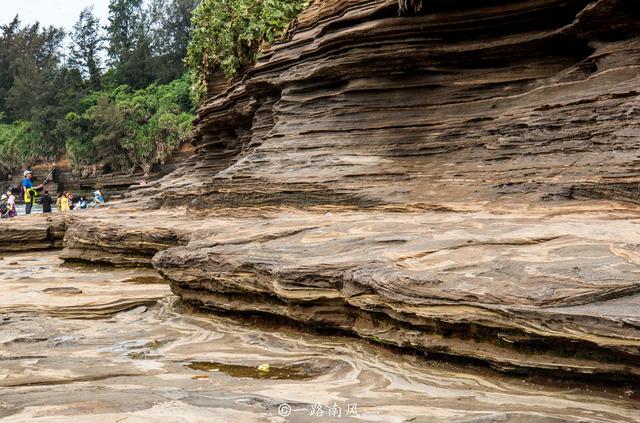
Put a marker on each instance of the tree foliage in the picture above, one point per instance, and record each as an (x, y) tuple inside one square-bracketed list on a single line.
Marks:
[(227, 34), (124, 130), (57, 101), (30, 58), (86, 47), (147, 41), (133, 110), (170, 29), (17, 142), (35, 87), (126, 25)]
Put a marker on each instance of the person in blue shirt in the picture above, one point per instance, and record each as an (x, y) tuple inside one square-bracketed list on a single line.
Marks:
[(29, 191), (82, 204), (98, 199)]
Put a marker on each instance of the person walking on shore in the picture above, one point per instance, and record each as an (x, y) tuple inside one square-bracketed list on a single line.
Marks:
[(29, 191), (46, 202)]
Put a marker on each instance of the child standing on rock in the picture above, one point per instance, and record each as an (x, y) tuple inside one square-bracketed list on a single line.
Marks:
[(64, 203)]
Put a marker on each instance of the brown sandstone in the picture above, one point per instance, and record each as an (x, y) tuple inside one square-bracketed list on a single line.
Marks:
[(462, 182)]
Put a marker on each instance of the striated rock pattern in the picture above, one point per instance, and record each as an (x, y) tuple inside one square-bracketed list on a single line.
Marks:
[(446, 145), (461, 179), (131, 245), (40, 233), (542, 292), (114, 345), (462, 103)]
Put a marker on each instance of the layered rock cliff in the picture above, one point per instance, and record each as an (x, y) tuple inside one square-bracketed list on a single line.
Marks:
[(459, 178), (469, 132), (462, 103)]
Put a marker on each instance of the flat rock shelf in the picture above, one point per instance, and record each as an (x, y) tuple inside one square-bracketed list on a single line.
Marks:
[(550, 291)]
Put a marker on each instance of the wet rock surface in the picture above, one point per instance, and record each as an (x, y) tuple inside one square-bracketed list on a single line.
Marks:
[(524, 290), (503, 288), (159, 361), (40, 283), (433, 175)]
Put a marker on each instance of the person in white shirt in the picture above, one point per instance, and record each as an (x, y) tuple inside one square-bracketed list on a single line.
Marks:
[(11, 205)]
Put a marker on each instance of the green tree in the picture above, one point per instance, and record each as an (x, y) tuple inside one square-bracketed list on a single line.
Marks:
[(38, 93), (8, 53), (120, 121), (17, 145), (124, 130), (170, 28), (34, 59), (86, 47), (129, 44), (110, 127), (124, 29)]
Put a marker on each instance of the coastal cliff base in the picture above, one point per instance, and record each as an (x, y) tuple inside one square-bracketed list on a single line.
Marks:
[(548, 289)]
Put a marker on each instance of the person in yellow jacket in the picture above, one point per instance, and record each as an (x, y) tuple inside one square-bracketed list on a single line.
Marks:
[(64, 203)]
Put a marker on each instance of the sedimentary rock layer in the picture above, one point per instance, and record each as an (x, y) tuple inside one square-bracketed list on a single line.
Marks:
[(450, 126), (37, 233), (466, 102), (69, 352), (117, 244), (438, 160), (541, 292)]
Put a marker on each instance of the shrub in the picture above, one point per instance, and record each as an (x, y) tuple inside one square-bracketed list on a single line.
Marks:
[(227, 34), (124, 130), (18, 146)]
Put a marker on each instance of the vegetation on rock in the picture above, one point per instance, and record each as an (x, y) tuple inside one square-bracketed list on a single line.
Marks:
[(124, 130), (118, 98), (227, 34)]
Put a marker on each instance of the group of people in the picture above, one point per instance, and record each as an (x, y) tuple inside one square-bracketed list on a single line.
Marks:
[(64, 201)]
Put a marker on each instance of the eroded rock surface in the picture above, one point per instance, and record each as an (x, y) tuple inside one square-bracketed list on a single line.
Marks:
[(549, 291), (132, 244), (465, 102), (454, 150), (461, 181), (83, 357), (41, 232)]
